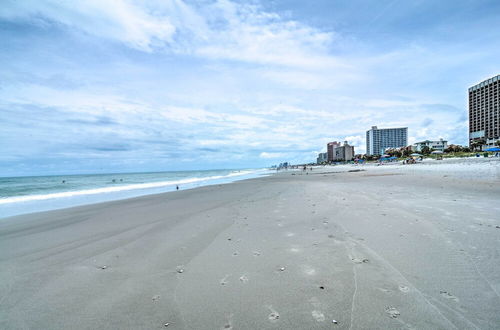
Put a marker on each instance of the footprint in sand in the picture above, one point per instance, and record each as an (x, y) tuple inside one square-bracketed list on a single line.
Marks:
[(392, 312), (360, 261), (308, 270), (315, 302), (223, 281), (274, 316), (318, 316), (447, 295), (404, 288), (256, 253), (235, 253), (243, 278), (155, 298), (229, 323)]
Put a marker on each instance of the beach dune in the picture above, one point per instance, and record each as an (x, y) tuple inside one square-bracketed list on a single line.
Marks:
[(384, 248)]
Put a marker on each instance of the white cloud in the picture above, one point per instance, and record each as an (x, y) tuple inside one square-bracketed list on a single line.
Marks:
[(213, 142), (114, 19), (252, 36), (355, 140), (227, 76), (221, 30), (271, 155), (381, 103)]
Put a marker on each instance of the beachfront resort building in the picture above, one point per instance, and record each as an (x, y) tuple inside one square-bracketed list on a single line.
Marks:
[(484, 112), (379, 139), (440, 145), (344, 153), (322, 158), (330, 147)]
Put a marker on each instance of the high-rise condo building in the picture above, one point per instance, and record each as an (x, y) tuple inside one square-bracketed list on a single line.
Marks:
[(484, 112), (377, 140)]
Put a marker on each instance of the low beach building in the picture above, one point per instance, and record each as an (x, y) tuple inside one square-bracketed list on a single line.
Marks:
[(439, 145), (379, 139), (484, 113)]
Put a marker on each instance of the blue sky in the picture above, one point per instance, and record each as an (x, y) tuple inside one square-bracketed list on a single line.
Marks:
[(106, 86)]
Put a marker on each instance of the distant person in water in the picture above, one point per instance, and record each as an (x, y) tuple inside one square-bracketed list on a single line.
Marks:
[(177, 187)]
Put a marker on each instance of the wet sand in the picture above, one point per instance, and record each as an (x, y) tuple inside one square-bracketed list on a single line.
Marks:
[(385, 248)]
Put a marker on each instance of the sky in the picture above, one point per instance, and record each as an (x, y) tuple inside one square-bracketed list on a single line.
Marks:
[(119, 85)]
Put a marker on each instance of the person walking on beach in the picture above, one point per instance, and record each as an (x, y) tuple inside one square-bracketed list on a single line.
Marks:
[(177, 187)]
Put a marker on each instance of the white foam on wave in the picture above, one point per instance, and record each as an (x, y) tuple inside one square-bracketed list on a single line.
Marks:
[(160, 184)]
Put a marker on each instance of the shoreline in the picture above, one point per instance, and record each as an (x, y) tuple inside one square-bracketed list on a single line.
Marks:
[(111, 203), (28, 204), (52, 204), (389, 247)]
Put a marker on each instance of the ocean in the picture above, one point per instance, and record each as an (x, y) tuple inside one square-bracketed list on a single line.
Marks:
[(20, 195)]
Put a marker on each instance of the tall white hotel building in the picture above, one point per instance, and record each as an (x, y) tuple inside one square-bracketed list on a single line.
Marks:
[(377, 140)]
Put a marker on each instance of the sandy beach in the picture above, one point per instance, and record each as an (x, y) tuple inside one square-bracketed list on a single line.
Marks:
[(380, 247)]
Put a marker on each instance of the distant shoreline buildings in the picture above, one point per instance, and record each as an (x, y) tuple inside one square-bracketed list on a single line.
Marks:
[(330, 150), (344, 153), (336, 152), (484, 130), (322, 158)]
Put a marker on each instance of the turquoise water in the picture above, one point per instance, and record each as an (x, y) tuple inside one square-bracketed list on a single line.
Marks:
[(19, 195)]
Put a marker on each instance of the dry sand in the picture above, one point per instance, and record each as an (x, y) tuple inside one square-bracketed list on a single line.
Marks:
[(391, 247)]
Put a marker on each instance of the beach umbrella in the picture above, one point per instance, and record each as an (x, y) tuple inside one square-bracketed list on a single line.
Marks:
[(386, 156), (437, 152), (415, 155), (493, 149)]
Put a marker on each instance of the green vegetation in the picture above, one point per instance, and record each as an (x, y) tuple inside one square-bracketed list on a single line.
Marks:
[(425, 150), (456, 148), (459, 154)]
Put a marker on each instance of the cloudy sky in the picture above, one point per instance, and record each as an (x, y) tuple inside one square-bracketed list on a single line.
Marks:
[(123, 85)]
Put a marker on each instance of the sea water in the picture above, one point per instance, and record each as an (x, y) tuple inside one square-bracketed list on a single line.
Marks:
[(20, 195)]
